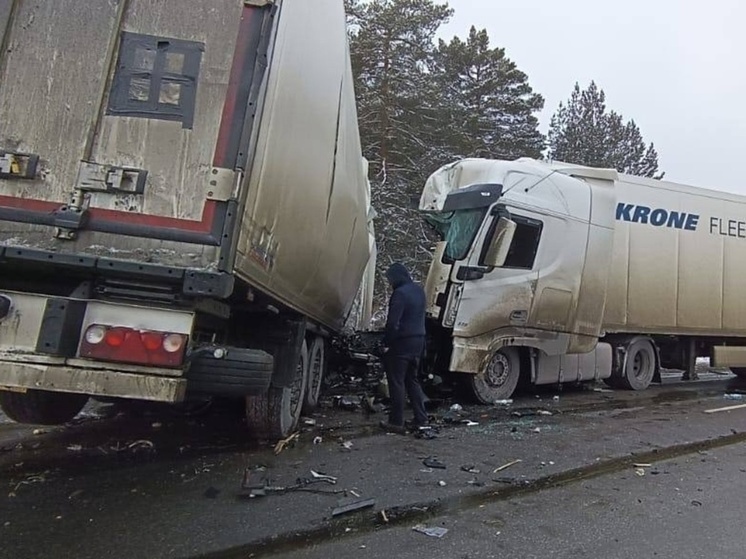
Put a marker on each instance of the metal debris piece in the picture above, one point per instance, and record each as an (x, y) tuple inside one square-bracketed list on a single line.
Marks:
[(75, 448), (281, 445), (536, 429), (556, 398), (726, 408), (323, 477), (544, 412), (503, 402), (432, 462), (642, 465), (457, 407), (384, 517), (442, 483), (309, 422), (506, 466), (318, 440), (470, 423), (640, 472), (347, 445), (39, 431), (345, 506), (157, 425), (470, 469), (433, 531)]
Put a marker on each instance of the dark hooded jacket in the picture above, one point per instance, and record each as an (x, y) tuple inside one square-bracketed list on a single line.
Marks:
[(405, 326)]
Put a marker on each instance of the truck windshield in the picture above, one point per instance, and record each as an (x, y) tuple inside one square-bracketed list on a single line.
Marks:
[(458, 230)]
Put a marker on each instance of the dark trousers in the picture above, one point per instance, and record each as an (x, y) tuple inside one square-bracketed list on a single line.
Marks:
[(401, 373)]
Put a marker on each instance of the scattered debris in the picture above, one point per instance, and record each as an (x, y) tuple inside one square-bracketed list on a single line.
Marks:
[(346, 403), (354, 493), (475, 483), (733, 396), (470, 468), (457, 407), (602, 390), (75, 494), (309, 422), (39, 431), (470, 423), (696, 503), (211, 492), (432, 462), (142, 444), (75, 447), (384, 517), (506, 466), (536, 429), (642, 465), (544, 412), (347, 445), (346, 506), (433, 532), (640, 472), (281, 445), (503, 402), (556, 398), (426, 432), (451, 417), (157, 425), (323, 477), (442, 483), (727, 408), (318, 440)]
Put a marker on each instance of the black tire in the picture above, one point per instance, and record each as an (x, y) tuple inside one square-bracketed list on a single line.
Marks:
[(499, 379), (238, 373), (316, 370), (639, 365), (740, 372), (40, 407), (275, 413)]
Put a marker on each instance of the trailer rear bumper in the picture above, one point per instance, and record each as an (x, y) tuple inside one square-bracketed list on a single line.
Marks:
[(21, 376)]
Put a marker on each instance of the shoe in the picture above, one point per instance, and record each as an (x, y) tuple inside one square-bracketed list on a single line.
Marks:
[(391, 428)]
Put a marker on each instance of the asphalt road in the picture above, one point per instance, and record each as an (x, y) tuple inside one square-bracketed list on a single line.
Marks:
[(144, 483), (688, 508)]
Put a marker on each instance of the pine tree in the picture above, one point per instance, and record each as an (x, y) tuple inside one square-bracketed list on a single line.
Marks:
[(583, 132), (485, 105), (391, 42)]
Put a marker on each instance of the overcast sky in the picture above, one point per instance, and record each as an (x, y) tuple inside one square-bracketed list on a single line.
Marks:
[(675, 66)]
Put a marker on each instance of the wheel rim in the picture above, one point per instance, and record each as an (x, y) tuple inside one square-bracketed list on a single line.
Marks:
[(498, 371), (640, 364)]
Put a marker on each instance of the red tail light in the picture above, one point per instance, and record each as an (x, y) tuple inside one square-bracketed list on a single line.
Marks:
[(127, 345)]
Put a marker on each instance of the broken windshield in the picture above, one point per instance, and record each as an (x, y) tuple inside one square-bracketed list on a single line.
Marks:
[(458, 229)]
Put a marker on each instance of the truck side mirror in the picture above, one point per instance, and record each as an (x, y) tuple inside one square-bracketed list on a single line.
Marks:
[(500, 243)]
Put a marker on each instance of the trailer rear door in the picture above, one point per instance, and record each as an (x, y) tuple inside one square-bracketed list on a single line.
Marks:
[(123, 122)]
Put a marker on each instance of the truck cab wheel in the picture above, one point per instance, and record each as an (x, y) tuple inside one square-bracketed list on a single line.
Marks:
[(498, 380), (639, 365), (275, 413), (41, 407)]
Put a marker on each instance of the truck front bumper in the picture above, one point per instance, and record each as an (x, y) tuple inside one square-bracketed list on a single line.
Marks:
[(98, 381)]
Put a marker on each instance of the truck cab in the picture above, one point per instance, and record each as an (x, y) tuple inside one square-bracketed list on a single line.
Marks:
[(518, 282)]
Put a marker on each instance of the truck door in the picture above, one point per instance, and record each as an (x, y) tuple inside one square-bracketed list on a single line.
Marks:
[(125, 117), (502, 297)]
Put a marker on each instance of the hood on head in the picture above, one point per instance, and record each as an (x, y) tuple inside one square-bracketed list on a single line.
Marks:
[(398, 275)]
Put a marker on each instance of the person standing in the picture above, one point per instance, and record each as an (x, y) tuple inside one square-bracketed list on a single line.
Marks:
[(404, 344)]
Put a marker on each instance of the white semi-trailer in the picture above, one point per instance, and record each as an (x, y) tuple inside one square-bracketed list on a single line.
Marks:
[(183, 203), (564, 273)]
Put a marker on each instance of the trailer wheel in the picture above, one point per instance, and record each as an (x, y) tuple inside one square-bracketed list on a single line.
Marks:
[(499, 379), (316, 369), (639, 365), (275, 413), (41, 407)]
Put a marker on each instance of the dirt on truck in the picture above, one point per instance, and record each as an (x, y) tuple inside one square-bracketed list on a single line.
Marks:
[(184, 207)]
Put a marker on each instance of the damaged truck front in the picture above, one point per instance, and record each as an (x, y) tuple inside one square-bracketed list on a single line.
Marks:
[(183, 203), (557, 273)]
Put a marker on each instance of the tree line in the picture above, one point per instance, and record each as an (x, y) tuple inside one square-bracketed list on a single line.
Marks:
[(423, 103)]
